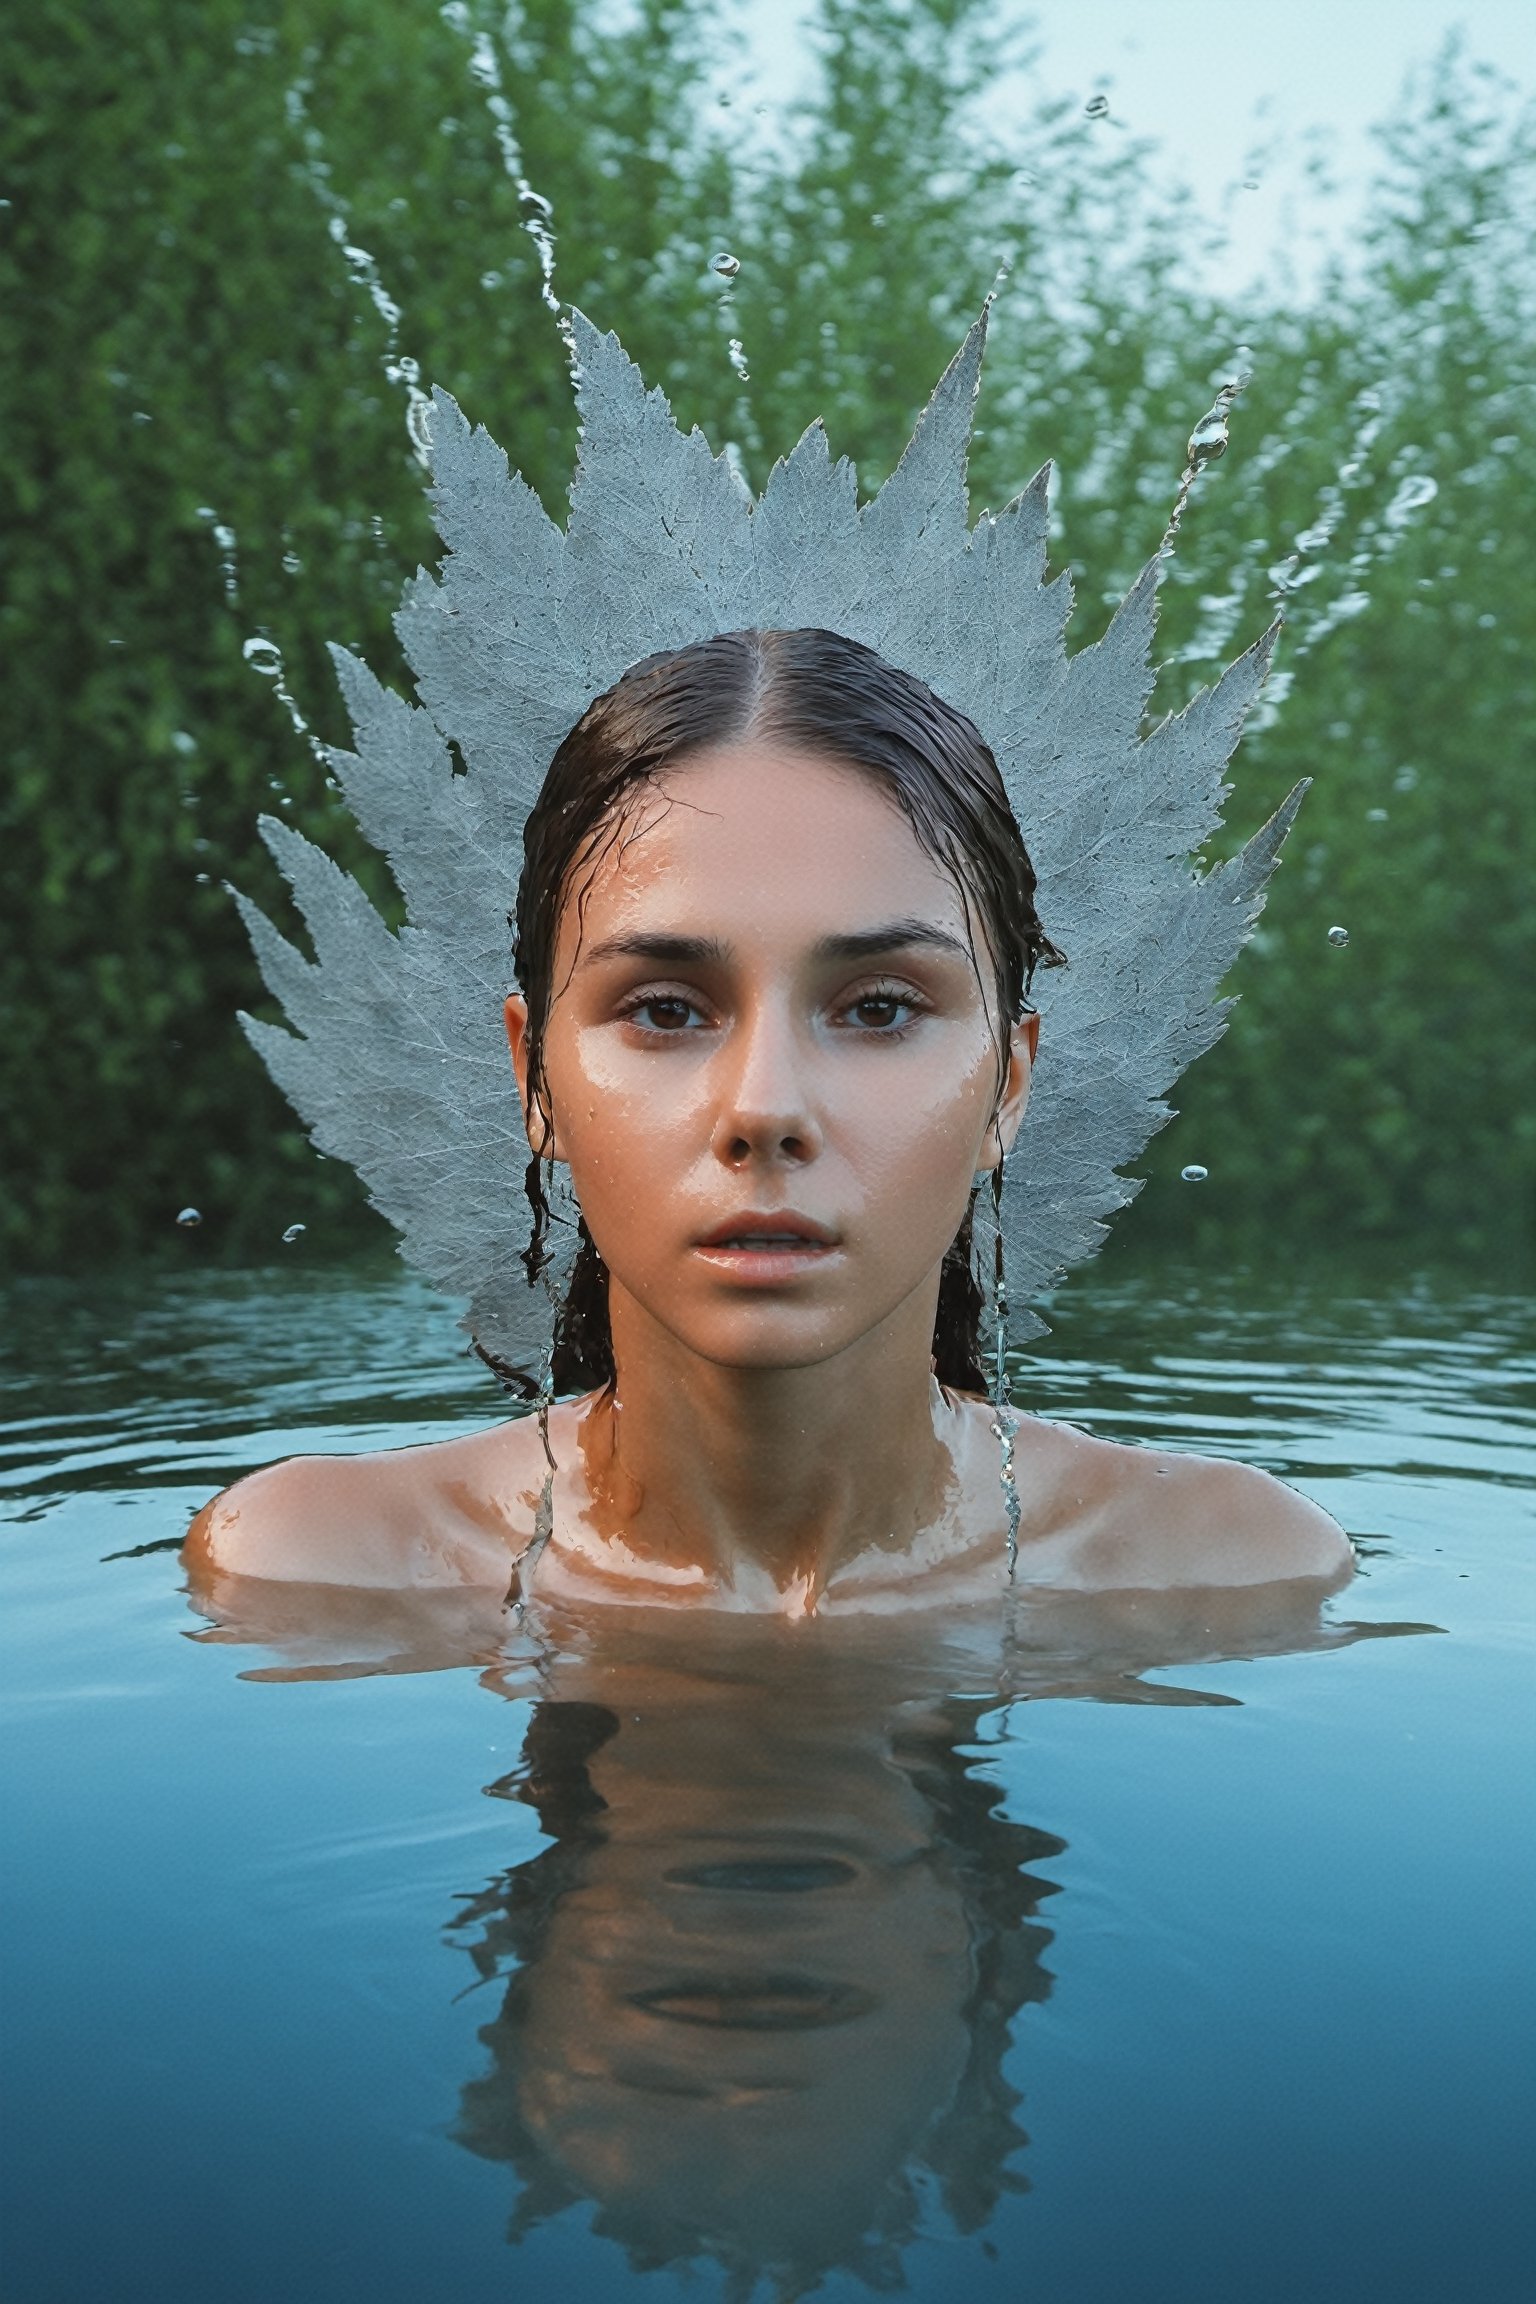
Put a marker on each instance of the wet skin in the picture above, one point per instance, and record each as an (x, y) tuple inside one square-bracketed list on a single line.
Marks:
[(773, 1065)]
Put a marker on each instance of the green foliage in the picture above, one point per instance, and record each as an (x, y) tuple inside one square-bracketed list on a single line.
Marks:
[(186, 352)]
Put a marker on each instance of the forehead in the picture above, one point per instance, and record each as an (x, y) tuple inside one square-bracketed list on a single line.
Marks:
[(760, 832)]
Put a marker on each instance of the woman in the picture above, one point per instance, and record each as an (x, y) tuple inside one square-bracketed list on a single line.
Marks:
[(775, 936)]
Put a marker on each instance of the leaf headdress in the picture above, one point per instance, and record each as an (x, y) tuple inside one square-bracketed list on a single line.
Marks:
[(397, 1061)]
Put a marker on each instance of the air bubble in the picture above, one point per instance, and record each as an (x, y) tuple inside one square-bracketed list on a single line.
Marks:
[(294, 1232), (1193, 1174), (1338, 935), (189, 1219), (725, 264)]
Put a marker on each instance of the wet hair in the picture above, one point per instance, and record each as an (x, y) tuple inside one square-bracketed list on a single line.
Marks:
[(824, 695)]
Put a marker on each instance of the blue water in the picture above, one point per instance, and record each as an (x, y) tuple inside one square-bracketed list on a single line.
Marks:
[(1104, 1965)]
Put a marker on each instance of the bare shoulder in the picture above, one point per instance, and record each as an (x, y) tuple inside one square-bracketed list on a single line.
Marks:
[(448, 1514), (1121, 1517)]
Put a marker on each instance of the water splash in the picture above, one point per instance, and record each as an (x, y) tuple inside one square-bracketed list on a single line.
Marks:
[(539, 216), (1208, 441), (228, 544), (362, 265), (266, 658)]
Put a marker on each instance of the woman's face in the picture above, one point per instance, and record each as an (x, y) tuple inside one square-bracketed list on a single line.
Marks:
[(771, 1058)]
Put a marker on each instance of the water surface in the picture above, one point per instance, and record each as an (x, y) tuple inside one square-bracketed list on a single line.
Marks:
[(1180, 1963)]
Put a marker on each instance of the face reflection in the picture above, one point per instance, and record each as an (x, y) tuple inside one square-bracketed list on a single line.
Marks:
[(770, 1057)]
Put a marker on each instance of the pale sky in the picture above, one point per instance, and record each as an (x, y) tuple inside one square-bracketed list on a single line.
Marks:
[(1212, 83)]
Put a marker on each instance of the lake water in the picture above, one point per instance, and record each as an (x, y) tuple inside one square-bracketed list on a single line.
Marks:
[(1169, 1960)]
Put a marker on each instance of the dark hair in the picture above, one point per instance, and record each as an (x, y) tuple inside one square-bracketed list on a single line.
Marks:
[(825, 695)]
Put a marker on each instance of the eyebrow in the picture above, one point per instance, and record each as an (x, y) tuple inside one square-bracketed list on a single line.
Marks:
[(854, 944)]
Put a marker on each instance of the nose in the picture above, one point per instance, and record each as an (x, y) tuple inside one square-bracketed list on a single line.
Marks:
[(766, 1114)]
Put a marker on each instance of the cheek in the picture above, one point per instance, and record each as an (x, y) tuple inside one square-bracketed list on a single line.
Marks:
[(914, 1135), (625, 1121)]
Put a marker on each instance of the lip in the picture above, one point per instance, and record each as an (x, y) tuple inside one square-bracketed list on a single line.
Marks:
[(763, 1250), (755, 1224)]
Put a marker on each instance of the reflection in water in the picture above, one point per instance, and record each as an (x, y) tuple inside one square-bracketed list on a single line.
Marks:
[(758, 1991), (764, 1977)]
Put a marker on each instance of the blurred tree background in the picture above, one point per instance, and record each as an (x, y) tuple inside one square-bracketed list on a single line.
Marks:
[(231, 226)]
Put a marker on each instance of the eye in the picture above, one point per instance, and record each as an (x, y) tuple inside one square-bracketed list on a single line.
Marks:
[(887, 1010), (664, 1012)]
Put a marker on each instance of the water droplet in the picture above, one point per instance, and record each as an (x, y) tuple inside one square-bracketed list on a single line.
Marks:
[(225, 538), (537, 202), (1405, 779), (1313, 539), (1376, 816), (738, 359), (1209, 437), (725, 264), (264, 656), (490, 279), (1250, 183), (1338, 935), (292, 564), (1097, 107), (189, 1219), (201, 878), (878, 222), (1417, 490), (293, 1233), (1194, 1173), (182, 742), (142, 416), (418, 423)]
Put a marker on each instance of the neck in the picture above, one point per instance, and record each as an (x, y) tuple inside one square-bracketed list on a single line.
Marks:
[(766, 1476)]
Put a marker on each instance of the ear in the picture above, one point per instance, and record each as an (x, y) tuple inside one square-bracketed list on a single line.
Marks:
[(538, 1120), (1023, 1041)]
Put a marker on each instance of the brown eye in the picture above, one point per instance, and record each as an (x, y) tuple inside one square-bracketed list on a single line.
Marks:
[(664, 1012), (888, 1013), (881, 1008)]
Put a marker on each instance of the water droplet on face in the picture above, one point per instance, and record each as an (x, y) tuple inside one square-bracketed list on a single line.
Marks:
[(725, 264), (294, 1232), (189, 1219), (1097, 107), (1338, 935), (1194, 1173), (263, 656)]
